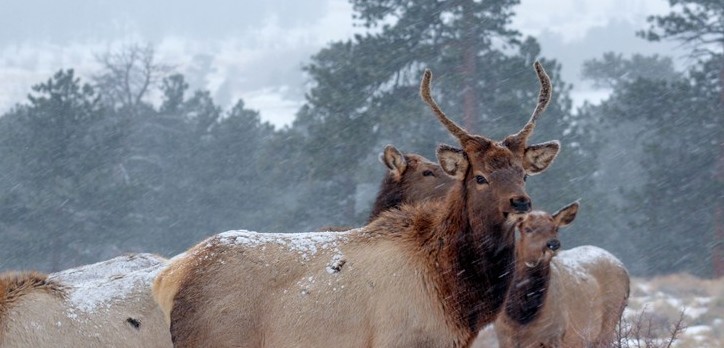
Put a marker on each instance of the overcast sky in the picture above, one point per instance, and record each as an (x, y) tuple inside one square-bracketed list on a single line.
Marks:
[(254, 49)]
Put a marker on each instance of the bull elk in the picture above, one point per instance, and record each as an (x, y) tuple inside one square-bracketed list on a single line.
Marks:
[(429, 274), (107, 304), (574, 299)]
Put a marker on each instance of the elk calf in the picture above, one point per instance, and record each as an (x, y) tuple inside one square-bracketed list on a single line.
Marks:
[(107, 304), (574, 299)]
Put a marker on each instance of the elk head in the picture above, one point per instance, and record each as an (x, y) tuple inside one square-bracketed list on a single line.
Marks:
[(411, 178), (538, 241), (419, 178), (494, 172)]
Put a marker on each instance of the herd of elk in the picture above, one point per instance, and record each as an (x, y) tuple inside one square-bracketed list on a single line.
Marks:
[(107, 304), (437, 261), (534, 314), (574, 299), (134, 319), (427, 274)]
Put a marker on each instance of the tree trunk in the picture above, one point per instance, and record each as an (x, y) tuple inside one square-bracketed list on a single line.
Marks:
[(717, 255), (469, 71)]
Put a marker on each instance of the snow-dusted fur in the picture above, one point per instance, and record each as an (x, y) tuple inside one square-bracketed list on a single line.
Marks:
[(427, 275), (574, 299), (107, 304)]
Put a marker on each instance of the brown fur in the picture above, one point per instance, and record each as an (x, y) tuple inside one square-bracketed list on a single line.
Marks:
[(430, 274), (411, 178), (171, 276), (574, 299), (15, 285), (108, 304)]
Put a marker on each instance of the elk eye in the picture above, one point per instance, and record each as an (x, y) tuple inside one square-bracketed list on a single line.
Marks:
[(428, 173), (480, 179)]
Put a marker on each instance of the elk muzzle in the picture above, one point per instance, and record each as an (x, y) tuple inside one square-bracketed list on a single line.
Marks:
[(553, 244), (521, 204)]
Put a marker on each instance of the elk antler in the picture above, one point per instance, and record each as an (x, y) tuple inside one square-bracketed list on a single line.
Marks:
[(460, 133), (544, 97)]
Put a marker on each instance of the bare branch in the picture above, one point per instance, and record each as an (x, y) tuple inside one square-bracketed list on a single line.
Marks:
[(128, 75), (676, 330)]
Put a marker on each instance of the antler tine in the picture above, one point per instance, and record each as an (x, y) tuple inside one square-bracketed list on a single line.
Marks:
[(544, 98), (546, 91), (456, 130)]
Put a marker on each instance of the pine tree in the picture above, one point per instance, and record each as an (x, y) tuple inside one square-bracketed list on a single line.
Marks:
[(365, 94), (674, 126), (699, 26), (60, 153)]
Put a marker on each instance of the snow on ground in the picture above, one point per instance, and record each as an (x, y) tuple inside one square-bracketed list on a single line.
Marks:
[(663, 299), (657, 305)]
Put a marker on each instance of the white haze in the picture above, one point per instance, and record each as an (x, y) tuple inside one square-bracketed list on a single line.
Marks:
[(254, 50)]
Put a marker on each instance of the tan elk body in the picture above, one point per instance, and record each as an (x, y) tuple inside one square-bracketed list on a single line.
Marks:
[(572, 299), (107, 304), (429, 274), (411, 178), (32, 300)]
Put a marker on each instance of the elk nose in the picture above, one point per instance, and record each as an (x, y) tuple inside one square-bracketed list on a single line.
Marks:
[(553, 244), (521, 204)]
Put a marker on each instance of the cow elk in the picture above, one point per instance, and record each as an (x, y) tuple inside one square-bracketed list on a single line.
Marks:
[(410, 178), (574, 299), (429, 274), (107, 304)]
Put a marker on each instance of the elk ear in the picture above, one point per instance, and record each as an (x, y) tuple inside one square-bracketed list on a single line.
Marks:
[(394, 160), (453, 161), (539, 157), (566, 215)]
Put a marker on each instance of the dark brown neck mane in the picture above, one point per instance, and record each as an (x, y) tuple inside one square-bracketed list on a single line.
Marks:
[(526, 296), (480, 256), (472, 257), (389, 196)]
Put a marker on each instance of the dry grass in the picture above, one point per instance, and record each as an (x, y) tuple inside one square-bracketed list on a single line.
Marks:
[(691, 306), (648, 330), (677, 310)]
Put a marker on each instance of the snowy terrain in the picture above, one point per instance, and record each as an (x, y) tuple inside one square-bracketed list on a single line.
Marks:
[(664, 298), (656, 304)]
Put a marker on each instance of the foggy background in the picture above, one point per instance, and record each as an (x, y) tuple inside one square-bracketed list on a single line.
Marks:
[(255, 49), (152, 126)]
